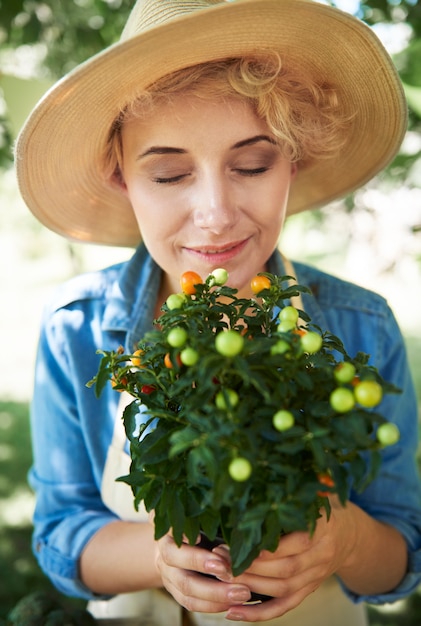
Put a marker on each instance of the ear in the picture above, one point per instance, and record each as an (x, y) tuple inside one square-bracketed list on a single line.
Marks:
[(294, 170), (117, 181)]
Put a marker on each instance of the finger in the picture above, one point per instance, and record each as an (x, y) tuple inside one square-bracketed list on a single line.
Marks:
[(300, 541), (185, 539), (289, 545), (192, 558), (287, 575), (282, 588), (295, 553), (270, 566), (182, 570), (198, 593), (271, 609)]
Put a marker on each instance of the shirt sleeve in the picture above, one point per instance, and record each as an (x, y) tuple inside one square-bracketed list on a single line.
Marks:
[(67, 467), (394, 497)]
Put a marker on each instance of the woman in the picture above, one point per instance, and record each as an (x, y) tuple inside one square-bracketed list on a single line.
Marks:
[(202, 129)]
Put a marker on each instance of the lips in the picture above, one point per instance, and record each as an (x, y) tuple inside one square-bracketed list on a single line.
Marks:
[(219, 250), (218, 254)]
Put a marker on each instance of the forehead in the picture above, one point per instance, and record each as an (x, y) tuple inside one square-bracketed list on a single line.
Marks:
[(190, 116)]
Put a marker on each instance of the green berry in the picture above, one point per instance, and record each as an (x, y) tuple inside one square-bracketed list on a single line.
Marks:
[(226, 399), (177, 337), (220, 276), (368, 393), (289, 313), (311, 342), (240, 469), (189, 356), (229, 343), (344, 372), (388, 434), (283, 420), (175, 301), (342, 399), (280, 347), (285, 326)]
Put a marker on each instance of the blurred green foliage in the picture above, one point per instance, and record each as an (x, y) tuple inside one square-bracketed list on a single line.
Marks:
[(21, 574), (72, 30), (393, 11)]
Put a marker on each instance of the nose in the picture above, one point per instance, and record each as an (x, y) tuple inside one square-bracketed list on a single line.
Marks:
[(215, 206)]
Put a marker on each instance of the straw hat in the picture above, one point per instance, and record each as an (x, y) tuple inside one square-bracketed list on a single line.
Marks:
[(57, 153)]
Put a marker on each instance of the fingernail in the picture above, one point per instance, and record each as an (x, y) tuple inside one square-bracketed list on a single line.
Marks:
[(223, 550), (239, 594), (217, 567), (235, 617)]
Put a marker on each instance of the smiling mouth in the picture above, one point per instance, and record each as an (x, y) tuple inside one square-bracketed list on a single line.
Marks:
[(219, 250)]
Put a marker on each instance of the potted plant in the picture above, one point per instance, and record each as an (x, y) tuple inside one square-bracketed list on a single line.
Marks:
[(245, 416)]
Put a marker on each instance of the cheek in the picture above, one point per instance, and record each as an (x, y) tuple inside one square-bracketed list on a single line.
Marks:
[(272, 206), (145, 209), (154, 200), (158, 224)]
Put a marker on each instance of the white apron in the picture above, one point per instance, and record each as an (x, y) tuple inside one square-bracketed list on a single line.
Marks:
[(328, 606)]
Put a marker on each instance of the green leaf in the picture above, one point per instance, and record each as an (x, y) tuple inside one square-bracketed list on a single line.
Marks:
[(153, 496), (244, 548), (201, 463), (191, 529), (318, 452), (135, 478), (210, 522), (182, 440), (162, 524), (358, 468), (103, 375), (154, 446), (254, 515), (130, 414), (272, 532), (304, 379), (177, 516)]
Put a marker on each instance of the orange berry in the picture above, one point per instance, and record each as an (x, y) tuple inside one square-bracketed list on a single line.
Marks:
[(259, 283), (327, 480), (122, 382), (188, 282), (300, 332), (136, 358), (169, 364)]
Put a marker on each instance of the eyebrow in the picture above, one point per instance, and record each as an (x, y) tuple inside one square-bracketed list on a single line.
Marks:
[(252, 140), (161, 150), (240, 144)]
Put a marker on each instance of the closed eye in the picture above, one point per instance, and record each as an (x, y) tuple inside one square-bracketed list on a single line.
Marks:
[(252, 172), (162, 180)]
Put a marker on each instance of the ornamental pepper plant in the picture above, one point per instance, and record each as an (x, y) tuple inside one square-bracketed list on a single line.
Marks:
[(245, 416)]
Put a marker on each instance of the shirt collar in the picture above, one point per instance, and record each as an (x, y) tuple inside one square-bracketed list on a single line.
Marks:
[(131, 303)]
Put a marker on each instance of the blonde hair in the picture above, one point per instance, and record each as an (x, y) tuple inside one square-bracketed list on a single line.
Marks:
[(306, 117)]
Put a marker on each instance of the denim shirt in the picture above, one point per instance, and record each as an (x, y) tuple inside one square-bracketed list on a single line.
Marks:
[(72, 429)]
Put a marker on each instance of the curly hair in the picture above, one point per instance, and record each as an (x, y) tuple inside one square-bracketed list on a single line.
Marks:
[(306, 117)]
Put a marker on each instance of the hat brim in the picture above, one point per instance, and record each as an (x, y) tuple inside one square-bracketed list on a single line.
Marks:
[(57, 151)]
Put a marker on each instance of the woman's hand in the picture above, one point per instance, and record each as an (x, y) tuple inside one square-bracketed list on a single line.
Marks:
[(300, 564), (182, 568), (369, 556)]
